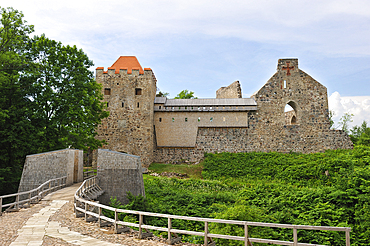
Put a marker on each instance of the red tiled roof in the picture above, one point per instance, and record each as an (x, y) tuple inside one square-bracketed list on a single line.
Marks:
[(127, 62)]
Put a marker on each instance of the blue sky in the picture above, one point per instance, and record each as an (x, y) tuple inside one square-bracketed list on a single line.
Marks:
[(203, 45)]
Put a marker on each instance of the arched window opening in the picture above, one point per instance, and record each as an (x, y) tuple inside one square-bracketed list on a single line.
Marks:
[(290, 113)]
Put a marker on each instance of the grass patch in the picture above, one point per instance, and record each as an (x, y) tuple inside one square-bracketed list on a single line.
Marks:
[(193, 171)]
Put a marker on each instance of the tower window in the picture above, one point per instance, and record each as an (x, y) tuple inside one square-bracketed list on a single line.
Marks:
[(123, 104), (284, 84), (107, 104), (107, 91), (173, 119), (186, 119), (160, 107), (211, 119), (138, 91), (138, 105), (160, 119), (198, 119)]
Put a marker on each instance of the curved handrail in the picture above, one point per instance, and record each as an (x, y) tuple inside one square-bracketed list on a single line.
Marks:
[(92, 181), (35, 194)]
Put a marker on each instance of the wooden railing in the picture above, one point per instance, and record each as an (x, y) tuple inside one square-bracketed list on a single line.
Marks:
[(85, 204), (35, 195), (88, 174)]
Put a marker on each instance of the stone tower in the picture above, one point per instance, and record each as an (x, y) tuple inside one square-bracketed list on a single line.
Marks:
[(129, 91)]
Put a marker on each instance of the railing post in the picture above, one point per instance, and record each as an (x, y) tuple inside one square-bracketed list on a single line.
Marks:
[(295, 237), (85, 211), (99, 219), (246, 239), (169, 230), (115, 221), (348, 242), (140, 223), (29, 198), (17, 201), (206, 233)]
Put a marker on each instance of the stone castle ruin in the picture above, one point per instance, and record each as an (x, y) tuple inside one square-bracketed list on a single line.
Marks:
[(159, 129)]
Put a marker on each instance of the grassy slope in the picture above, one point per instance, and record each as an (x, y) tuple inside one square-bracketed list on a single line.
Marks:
[(271, 187)]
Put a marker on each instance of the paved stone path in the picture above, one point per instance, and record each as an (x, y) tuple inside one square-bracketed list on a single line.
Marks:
[(52, 223), (33, 232), (39, 226)]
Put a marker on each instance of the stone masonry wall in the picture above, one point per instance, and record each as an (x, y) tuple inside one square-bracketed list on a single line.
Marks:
[(232, 91), (118, 173), (210, 140), (39, 168), (129, 127)]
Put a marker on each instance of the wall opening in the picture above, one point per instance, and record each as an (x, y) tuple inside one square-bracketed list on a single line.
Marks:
[(107, 91), (290, 113), (138, 91)]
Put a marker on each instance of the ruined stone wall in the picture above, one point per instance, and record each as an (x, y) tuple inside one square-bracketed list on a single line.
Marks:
[(232, 91), (129, 96), (118, 173), (180, 129), (270, 128), (290, 118), (210, 140), (39, 168)]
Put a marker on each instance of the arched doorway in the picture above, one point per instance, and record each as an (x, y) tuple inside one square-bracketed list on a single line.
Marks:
[(290, 113)]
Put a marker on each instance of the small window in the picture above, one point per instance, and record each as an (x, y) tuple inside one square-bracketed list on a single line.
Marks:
[(186, 107), (198, 119), (173, 119), (223, 118), (211, 119), (123, 104), (107, 104), (186, 119), (160, 107), (138, 105), (107, 91), (236, 118), (117, 83), (179, 107), (138, 91), (160, 119), (284, 84)]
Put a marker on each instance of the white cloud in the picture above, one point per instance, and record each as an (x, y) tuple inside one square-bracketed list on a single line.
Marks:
[(359, 106), (333, 26)]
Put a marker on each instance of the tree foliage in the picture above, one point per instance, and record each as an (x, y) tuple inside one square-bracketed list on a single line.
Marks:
[(344, 122), (48, 97), (185, 94)]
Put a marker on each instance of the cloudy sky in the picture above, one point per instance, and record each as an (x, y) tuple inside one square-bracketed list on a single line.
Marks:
[(202, 45)]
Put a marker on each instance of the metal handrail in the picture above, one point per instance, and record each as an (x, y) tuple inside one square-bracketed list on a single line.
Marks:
[(92, 181), (35, 194)]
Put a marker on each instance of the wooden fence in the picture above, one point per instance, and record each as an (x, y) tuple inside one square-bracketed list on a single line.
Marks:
[(88, 174), (84, 206), (35, 195)]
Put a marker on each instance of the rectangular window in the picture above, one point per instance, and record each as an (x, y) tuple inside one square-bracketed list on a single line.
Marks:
[(211, 119), (138, 105), (186, 119), (284, 84), (123, 104), (160, 107), (107, 91), (223, 119), (198, 119), (173, 119), (107, 104), (160, 119), (138, 91)]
